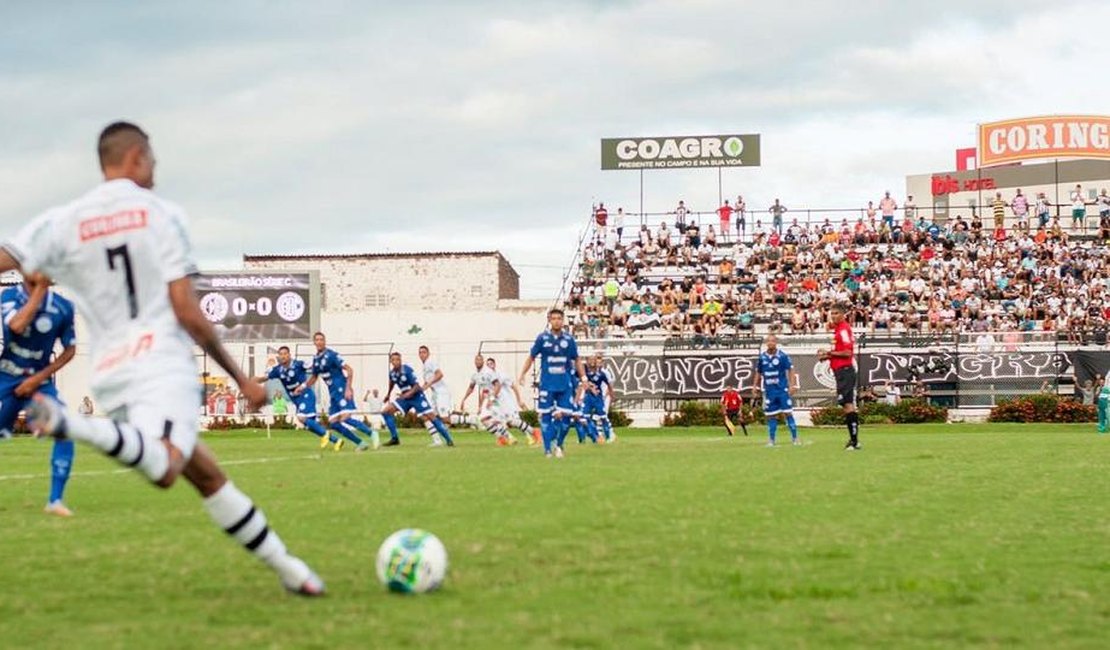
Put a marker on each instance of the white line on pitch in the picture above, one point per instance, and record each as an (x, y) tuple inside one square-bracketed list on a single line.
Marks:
[(109, 472)]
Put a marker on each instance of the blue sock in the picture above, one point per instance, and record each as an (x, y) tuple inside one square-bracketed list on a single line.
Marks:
[(442, 429), (346, 432), (313, 425), (562, 428), (547, 428), (793, 426), (591, 429), (607, 427), (391, 424), (579, 429), (773, 426), (360, 425), (61, 461)]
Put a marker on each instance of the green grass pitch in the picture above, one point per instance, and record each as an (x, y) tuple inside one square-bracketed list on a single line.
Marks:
[(933, 537)]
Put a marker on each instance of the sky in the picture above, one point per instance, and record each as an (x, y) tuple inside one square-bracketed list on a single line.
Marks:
[(349, 127)]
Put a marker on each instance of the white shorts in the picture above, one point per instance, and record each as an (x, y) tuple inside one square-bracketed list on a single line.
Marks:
[(165, 410), (440, 401)]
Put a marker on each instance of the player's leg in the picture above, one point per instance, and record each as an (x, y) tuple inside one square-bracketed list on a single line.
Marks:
[(790, 422), (238, 516), (846, 397), (772, 427), (338, 423), (312, 423), (149, 453), (390, 422), (1103, 403), (61, 463), (306, 413), (545, 405)]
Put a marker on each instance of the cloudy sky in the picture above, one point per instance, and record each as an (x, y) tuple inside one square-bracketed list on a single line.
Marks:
[(375, 126)]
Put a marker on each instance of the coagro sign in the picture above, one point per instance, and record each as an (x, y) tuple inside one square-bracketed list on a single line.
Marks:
[(678, 152), (1049, 136)]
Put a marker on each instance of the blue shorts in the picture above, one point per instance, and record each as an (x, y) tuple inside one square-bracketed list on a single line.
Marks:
[(561, 401), (306, 404), (777, 402), (340, 405), (593, 404), (10, 405), (418, 403)]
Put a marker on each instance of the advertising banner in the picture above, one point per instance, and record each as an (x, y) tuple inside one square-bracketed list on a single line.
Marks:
[(1048, 136), (681, 152)]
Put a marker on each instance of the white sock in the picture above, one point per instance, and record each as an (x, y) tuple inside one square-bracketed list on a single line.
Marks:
[(234, 512), (431, 429), (123, 442)]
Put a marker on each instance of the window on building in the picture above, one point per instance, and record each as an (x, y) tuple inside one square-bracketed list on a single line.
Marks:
[(323, 296), (476, 291)]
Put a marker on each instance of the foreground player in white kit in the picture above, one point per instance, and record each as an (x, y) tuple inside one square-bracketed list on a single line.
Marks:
[(125, 256)]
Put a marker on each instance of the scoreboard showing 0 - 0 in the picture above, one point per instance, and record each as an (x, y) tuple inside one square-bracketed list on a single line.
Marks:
[(263, 306)]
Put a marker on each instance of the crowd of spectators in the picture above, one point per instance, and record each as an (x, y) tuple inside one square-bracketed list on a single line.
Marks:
[(901, 271)]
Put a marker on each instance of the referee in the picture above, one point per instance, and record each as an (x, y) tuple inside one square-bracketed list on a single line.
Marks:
[(841, 361)]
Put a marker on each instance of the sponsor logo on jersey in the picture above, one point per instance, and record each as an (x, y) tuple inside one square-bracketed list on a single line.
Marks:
[(110, 224)]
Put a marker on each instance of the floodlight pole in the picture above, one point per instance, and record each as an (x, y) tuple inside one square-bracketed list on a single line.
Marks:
[(720, 193)]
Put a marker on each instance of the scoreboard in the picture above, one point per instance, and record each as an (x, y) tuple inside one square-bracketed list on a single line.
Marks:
[(261, 306)]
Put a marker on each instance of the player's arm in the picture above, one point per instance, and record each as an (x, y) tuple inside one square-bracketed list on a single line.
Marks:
[(580, 368), (187, 311), (28, 386), (22, 318), (309, 383), (524, 370), (469, 390), (436, 376), (795, 384), (388, 391), (516, 392), (349, 373)]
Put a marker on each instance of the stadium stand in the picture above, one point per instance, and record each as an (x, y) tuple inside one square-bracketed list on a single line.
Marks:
[(1016, 279)]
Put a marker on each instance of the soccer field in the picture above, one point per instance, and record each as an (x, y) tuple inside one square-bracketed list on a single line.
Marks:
[(933, 536)]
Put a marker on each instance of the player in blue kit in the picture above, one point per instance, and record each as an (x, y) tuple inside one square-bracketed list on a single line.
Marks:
[(35, 318), (557, 352), (583, 426), (292, 374), (777, 379), (410, 397), (599, 387), (340, 379)]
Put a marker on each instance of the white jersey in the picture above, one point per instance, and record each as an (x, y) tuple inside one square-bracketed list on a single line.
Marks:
[(116, 248), (431, 367), (483, 381), (506, 399)]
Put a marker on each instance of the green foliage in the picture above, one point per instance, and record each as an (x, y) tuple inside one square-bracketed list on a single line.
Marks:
[(530, 417), (1043, 407), (694, 414), (907, 411)]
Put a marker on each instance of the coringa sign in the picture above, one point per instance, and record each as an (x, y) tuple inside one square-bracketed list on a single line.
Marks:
[(683, 151)]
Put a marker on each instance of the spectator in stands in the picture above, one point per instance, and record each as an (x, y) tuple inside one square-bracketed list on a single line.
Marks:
[(998, 209), (909, 209), (777, 210), (279, 406), (1044, 210), (618, 223), (680, 214), (1103, 213), (86, 406), (601, 216), (1020, 207), (1078, 209), (887, 206), (611, 290), (741, 210), (724, 214)]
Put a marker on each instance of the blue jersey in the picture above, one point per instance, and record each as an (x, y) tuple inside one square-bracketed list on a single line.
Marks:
[(27, 353), (403, 379), (775, 369), (328, 365), (557, 355), (599, 379), (291, 377)]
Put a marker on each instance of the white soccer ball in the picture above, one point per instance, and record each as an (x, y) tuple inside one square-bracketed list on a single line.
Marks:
[(412, 561)]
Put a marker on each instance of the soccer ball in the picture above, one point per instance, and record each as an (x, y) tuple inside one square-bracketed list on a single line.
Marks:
[(412, 561)]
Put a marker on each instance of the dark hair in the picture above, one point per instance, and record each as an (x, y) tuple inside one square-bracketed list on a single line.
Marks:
[(284, 347), (423, 347), (116, 140), (491, 359), (555, 310), (318, 334), (394, 354)]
